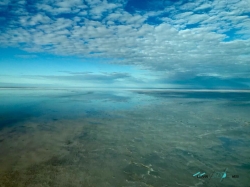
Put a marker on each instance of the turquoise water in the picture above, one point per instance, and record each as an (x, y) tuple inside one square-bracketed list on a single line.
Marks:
[(77, 137)]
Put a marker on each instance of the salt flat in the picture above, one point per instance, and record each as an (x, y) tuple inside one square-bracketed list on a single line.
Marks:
[(63, 137)]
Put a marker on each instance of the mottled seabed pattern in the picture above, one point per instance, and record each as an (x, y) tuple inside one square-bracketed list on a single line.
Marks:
[(127, 138)]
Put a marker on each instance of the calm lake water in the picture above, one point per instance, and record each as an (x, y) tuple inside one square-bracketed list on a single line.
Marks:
[(127, 138)]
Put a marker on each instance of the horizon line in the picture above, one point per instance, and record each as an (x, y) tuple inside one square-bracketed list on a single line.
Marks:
[(145, 89)]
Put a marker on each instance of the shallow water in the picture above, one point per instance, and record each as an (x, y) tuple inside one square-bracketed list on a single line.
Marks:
[(127, 138)]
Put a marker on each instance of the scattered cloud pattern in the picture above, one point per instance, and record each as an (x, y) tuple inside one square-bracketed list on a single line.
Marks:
[(203, 38)]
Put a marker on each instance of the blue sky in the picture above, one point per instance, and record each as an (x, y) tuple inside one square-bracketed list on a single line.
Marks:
[(125, 43)]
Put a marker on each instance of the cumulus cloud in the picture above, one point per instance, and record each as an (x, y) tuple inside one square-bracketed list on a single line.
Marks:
[(199, 36), (203, 7)]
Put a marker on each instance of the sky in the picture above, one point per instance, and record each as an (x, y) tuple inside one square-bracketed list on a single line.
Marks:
[(202, 44)]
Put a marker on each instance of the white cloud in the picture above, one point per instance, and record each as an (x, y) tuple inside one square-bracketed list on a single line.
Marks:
[(196, 18), (170, 46), (68, 3), (34, 20), (203, 7)]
